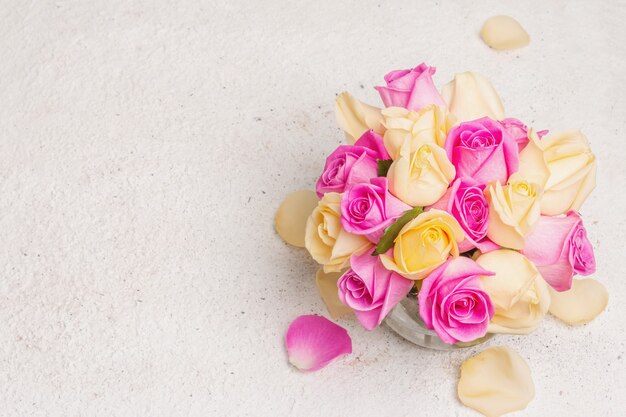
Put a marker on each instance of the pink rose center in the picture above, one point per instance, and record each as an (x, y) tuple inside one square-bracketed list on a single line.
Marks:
[(463, 308), (473, 212), (359, 208), (478, 139), (581, 251), (357, 290), (335, 172)]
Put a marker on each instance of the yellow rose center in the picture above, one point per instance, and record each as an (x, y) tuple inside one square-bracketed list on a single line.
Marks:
[(420, 160), (422, 248), (524, 188), (431, 235)]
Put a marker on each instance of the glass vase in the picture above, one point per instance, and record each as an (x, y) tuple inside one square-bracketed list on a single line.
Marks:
[(405, 320)]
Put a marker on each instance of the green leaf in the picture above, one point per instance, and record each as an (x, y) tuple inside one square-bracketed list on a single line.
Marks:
[(386, 242), (383, 166)]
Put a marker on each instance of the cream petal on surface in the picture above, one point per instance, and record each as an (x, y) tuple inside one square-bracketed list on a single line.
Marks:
[(327, 286), (495, 382), (471, 96), (581, 304), (356, 118), (504, 32), (314, 341), (291, 216)]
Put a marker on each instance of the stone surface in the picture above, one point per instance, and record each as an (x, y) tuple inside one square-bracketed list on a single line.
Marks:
[(146, 146)]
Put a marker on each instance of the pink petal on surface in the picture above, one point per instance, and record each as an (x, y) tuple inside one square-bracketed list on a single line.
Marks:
[(314, 341)]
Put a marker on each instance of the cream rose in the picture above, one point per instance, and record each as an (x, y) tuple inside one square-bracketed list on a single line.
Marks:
[(420, 178), (513, 211), (471, 96), (430, 125), (326, 240), (356, 118), (532, 163), (572, 168), (517, 289), (423, 244)]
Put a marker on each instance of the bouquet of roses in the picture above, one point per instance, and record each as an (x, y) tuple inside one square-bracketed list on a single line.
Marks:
[(441, 194)]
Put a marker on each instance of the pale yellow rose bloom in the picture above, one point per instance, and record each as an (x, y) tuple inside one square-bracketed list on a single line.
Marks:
[(430, 125), (420, 178), (471, 96), (513, 211), (423, 244), (326, 240), (356, 118), (532, 163), (517, 290), (572, 168)]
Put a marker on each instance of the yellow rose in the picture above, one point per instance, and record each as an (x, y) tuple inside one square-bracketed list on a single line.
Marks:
[(470, 96), (517, 290), (356, 118), (424, 243), (326, 240), (430, 125), (420, 178), (513, 211), (572, 168)]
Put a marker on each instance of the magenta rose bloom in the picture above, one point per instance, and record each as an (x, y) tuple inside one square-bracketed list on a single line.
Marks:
[(352, 164), (483, 150), (368, 209), (453, 303), (466, 202), (519, 131), (559, 247), (411, 89), (371, 290)]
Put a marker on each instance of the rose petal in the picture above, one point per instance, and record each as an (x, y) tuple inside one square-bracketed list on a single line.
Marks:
[(532, 164), (327, 286), (471, 96), (314, 341), (503, 33), (291, 216), (582, 303), (495, 382), (355, 118)]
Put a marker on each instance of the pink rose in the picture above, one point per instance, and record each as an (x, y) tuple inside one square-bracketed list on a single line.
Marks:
[(368, 209), (467, 204), (519, 131), (352, 164), (453, 303), (371, 290), (559, 247), (411, 89), (483, 150)]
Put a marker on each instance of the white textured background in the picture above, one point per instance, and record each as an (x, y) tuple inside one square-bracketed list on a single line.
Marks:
[(144, 149)]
